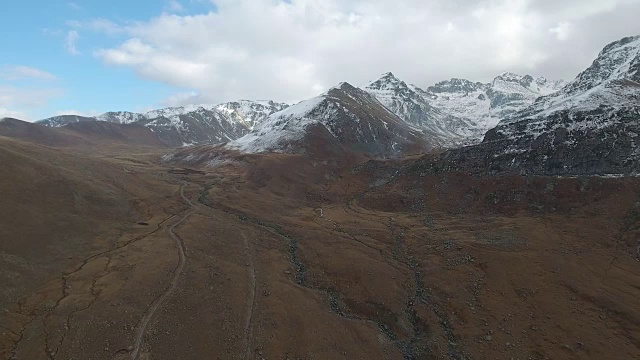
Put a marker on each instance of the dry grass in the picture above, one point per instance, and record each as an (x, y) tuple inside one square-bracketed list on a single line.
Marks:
[(292, 257)]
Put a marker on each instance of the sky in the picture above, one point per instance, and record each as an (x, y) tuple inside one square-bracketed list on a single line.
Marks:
[(89, 57)]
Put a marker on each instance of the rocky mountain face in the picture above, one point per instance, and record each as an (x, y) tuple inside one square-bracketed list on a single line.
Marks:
[(591, 126), (411, 104), (487, 104), (201, 126), (343, 117), (448, 115), (195, 124), (62, 120), (250, 113), (459, 112), (535, 126)]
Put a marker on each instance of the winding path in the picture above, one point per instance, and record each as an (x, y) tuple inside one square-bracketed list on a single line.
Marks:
[(144, 323), (251, 300)]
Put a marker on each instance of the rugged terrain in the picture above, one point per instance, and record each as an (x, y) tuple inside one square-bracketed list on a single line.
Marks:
[(588, 127), (333, 229), (343, 118), (486, 104), (195, 124), (413, 105), (448, 115), (296, 256)]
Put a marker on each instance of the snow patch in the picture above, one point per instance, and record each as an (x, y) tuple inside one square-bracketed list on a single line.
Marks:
[(279, 129)]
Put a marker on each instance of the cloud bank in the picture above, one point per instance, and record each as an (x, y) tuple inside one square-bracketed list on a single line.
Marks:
[(14, 73), (291, 50)]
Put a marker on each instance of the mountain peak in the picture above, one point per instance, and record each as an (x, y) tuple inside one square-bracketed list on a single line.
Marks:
[(456, 85), (345, 86), (411, 104), (539, 85), (388, 75), (344, 116), (588, 127), (619, 60), (509, 76), (629, 40), (387, 81)]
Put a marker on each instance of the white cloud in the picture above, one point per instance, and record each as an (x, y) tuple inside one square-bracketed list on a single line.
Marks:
[(87, 113), (70, 42), (578, 8), (25, 72), (22, 102), (174, 6), (181, 99), (562, 31), (290, 50), (12, 97), (6, 113)]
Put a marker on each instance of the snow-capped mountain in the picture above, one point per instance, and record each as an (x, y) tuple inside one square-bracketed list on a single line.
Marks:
[(200, 126), (250, 113), (591, 126), (121, 117), (412, 105), (62, 120), (611, 81), (192, 124), (588, 125), (343, 117), (487, 104)]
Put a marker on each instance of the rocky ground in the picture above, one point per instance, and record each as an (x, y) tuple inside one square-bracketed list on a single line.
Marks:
[(287, 257)]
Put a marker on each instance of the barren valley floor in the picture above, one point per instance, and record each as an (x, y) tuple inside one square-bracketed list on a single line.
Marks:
[(286, 257)]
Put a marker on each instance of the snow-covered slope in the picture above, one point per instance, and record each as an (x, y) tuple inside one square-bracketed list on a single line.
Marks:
[(249, 112), (344, 116), (591, 126), (121, 117), (192, 124), (611, 81), (412, 105), (487, 104), (62, 120), (280, 129)]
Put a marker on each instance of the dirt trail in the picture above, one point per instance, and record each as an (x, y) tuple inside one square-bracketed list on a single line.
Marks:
[(142, 327), (251, 299)]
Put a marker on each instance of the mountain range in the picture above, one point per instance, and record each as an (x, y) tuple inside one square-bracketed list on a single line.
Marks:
[(501, 220), (343, 116), (188, 125), (487, 104), (513, 123), (590, 126), (449, 114)]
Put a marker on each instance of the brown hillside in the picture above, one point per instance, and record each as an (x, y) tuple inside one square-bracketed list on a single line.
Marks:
[(293, 256)]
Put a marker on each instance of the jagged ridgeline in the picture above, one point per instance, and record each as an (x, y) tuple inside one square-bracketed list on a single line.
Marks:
[(590, 126), (188, 125), (447, 115), (520, 124)]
